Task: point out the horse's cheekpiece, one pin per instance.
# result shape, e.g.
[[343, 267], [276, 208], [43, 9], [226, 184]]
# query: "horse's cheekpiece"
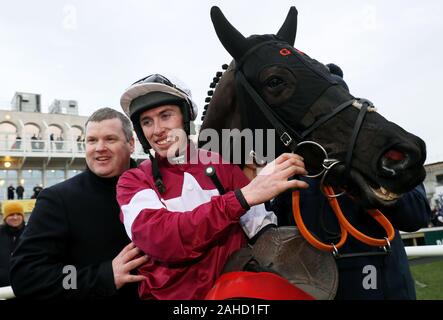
[[285, 252]]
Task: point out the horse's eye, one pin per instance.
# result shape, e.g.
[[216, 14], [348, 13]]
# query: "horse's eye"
[[274, 82]]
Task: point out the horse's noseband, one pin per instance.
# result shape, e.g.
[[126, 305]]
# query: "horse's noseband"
[[326, 165]]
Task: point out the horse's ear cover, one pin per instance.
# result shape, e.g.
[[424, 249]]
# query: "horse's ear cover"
[[233, 41], [288, 30]]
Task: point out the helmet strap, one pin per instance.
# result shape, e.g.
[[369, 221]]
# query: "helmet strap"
[[158, 180], [186, 109]]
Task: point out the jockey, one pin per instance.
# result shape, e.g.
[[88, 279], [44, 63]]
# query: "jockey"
[[185, 223]]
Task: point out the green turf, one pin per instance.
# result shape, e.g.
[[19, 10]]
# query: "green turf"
[[428, 280]]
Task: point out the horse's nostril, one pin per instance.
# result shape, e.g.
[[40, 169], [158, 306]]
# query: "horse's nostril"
[[394, 161], [394, 155]]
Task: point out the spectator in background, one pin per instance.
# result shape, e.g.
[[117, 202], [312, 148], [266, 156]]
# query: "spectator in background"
[[437, 213], [36, 190], [11, 190], [20, 190], [79, 143], [34, 143], [51, 140], [10, 232]]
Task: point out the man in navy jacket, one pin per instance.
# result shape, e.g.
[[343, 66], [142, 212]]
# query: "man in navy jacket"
[[74, 246]]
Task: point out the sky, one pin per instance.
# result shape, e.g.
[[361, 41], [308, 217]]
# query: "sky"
[[91, 50]]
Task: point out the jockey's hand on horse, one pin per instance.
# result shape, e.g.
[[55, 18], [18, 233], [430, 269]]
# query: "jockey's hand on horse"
[[273, 179]]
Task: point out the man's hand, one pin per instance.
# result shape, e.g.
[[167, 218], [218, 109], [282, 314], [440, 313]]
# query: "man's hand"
[[126, 261], [273, 179]]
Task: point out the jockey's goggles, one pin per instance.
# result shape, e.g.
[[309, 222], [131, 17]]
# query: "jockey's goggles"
[[158, 78]]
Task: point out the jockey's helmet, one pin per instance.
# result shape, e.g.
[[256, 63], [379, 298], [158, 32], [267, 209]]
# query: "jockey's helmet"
[[153, 91]]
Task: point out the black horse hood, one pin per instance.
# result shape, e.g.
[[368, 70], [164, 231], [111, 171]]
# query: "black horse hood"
[[308, 78]]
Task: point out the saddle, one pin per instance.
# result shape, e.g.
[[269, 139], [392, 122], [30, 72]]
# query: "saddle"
[[285, 252]]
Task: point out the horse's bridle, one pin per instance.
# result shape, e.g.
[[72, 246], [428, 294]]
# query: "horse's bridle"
[[294, 140]]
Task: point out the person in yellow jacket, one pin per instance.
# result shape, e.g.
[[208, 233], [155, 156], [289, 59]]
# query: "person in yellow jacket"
[[10, 232]]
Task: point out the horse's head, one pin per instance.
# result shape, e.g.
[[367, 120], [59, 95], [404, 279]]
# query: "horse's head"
[[375, 160]]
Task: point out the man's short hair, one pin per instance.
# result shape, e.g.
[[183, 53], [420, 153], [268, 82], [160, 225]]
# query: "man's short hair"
[[107, 114]]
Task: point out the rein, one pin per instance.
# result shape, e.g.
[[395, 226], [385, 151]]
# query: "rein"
[[345, 226]]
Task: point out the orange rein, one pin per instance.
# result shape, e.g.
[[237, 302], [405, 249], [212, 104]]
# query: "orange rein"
[[345, 226]]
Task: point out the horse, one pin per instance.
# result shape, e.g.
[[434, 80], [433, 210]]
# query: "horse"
[[272, 85], [344, 141]]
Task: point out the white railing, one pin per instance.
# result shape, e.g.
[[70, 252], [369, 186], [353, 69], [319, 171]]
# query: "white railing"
[[41, 146], [433, 250], [425, 251], [411, 251]]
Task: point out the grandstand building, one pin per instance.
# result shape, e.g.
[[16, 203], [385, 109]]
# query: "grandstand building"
[[41, 149]]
